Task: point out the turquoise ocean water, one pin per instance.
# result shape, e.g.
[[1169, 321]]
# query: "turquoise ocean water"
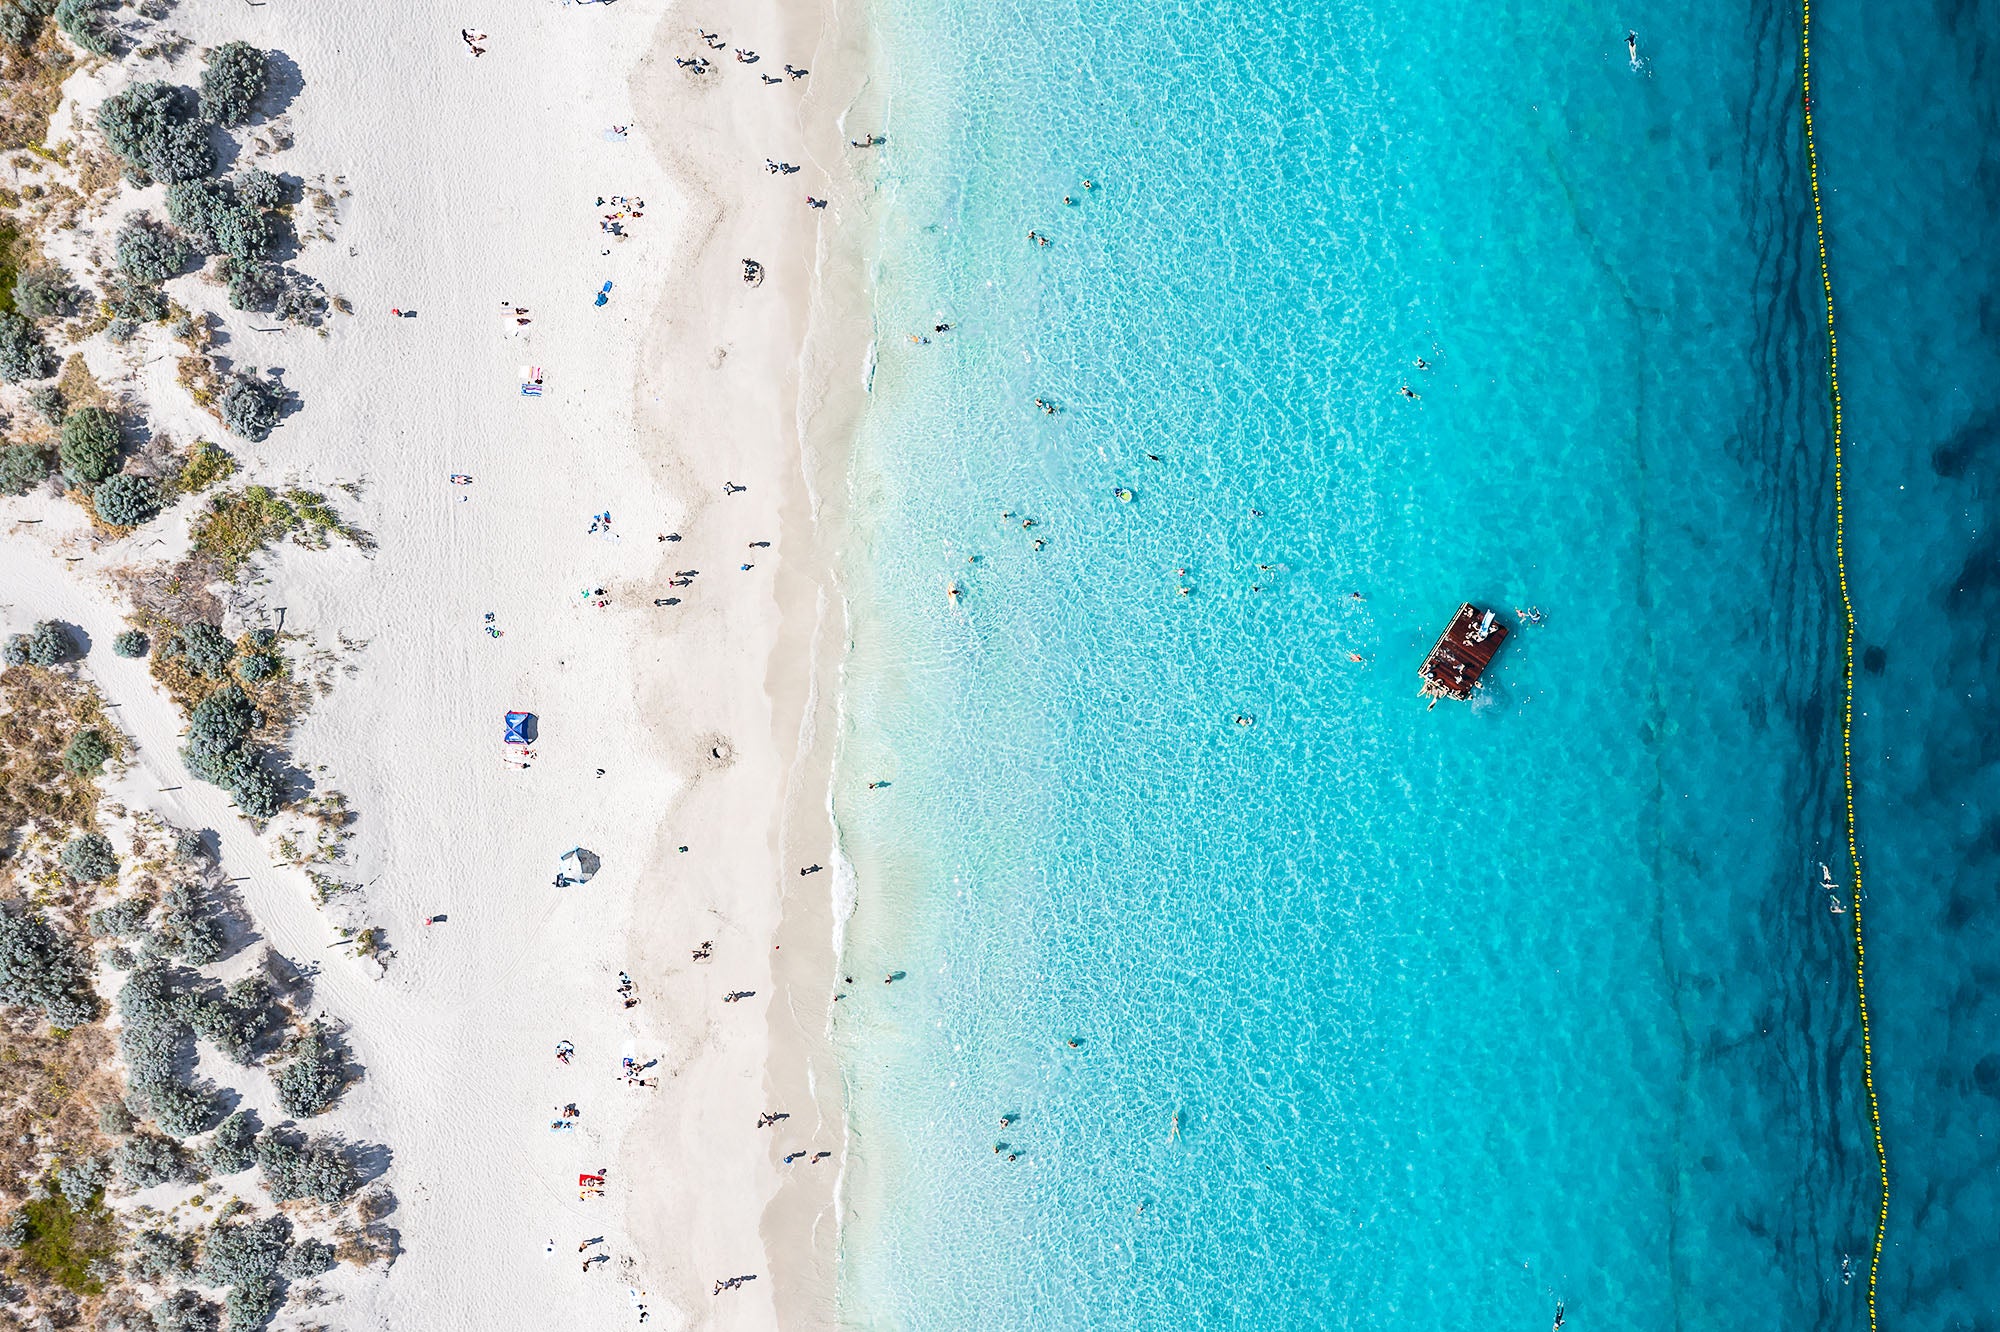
[[1386, 1017]]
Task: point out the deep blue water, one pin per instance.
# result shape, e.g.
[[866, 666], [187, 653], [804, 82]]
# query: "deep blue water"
[[1386, 1016]]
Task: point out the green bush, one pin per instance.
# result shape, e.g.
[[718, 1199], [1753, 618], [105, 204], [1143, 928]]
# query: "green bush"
[[313, 1075], [89, 448], [133, 303], [41, 968], [208, 653], [21, 21], [88, 24], [153, 1033], [256, 667], [89, 858], [219, 221], [49, 643], [16, 651], [22, 468], [254, 284], [114, 1119], [44, 291], [231, 82], [153, 126], [222, 721], [233, 1149], [189, 930], [48, 402], [251, 407], [236, 1252], [250, 1304], [183, 1311], [317, 1171], [87, 753], [263, 639], [131, 643], [150, 253], [146, 1159], [23, 353], [256, 791], [309, 1258], [233, 1020], [82, 1181], [121, 919], [182, 1111], [126, 500], [162, 1256], [260, 189]]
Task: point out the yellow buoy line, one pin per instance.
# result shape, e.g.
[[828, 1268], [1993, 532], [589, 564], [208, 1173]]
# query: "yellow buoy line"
[[1847, 662]]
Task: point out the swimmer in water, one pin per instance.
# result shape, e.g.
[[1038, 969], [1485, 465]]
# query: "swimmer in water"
[[1632, 51], [1409, 392]]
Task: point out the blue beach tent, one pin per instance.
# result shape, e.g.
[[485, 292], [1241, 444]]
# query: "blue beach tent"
[[520, 728]]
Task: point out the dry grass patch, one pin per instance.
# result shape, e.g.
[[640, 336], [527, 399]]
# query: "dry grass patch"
[[41, 711]]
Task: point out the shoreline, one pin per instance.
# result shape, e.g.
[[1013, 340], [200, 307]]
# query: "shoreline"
[[789, 332]]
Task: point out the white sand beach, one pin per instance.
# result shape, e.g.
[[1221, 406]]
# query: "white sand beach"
[[675, 742]]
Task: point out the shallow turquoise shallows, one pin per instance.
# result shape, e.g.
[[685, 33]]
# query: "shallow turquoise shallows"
[[1360, 1015]]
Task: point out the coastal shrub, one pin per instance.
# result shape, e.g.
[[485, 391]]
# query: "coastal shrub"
[[257, 666], [21, 21], [162, 1255], [250, 407], [188, 845], [182, 1110], [184, 1311], [206, 464], [15, 653], [251, 1303], [315, 1170], [89, 448], [122, 919], [232, 80], [311, 1079], [262, 638], [232, 1025], [81, 1181], [126, 500], [188, 929], [208, 653], [49, 643], [120, 958], [88, 24], [136, 303], [24, 355], [16, 1232], [114, 1119], [89, 858], [308, 1258], [154, 128], [44, 291], [236, 1252], [87, 752], [41, 968], [131, 643], [146, 1159], [153, 1029], [233, 1149], [254, 284], [150, 253], [259, 189], [22, 468], [48, 403], [221, 221], [302, 301]]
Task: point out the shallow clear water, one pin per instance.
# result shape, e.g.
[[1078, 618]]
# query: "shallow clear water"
[[1385, 1015]]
